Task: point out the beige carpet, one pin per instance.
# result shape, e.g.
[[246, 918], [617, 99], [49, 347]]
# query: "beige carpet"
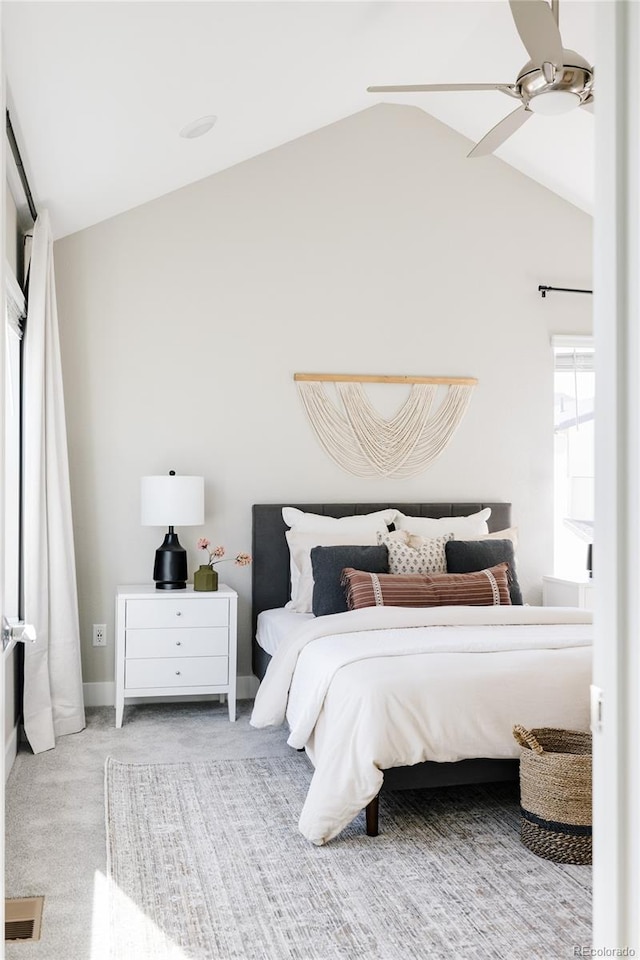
[[205, 863]]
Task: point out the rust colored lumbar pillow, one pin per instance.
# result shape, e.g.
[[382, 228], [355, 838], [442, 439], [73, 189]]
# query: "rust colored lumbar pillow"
[[484, 588]]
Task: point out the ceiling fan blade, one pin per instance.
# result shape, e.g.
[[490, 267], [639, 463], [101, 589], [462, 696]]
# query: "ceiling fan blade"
[[538, 31], [501, 132], [589, 104], [440, 87]]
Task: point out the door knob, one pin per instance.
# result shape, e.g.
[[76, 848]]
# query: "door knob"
[[17, 631]]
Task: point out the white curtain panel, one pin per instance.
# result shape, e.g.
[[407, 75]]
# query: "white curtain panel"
[[53, 701]]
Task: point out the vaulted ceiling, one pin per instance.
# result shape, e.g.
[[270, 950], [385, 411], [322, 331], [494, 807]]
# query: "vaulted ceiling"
[[98, 92]]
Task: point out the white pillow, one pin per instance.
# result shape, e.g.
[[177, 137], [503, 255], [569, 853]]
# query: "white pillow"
[[461, 527], [307, 522], [511, 533], [300, 545]]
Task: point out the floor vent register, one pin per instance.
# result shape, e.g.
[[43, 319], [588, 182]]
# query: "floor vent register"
[[23, 918]]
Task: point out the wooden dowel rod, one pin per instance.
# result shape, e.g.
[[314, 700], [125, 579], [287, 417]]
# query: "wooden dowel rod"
[[372, 378]]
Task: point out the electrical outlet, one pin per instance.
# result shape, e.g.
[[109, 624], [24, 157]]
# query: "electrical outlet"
[[99, 634]]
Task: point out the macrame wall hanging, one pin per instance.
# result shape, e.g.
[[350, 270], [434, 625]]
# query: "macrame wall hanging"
[[366, 444]]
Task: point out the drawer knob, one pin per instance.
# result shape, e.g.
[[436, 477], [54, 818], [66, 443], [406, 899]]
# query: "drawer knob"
[[177, 673], [178, 643], [178, 613]]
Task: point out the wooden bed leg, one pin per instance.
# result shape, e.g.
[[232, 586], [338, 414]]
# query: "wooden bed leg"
[[371, 815]]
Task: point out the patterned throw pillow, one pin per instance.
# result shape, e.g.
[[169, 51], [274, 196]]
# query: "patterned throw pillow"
[[482, 589], [411, 554]]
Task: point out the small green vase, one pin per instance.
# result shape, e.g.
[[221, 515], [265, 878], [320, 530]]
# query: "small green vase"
[[205, 578]]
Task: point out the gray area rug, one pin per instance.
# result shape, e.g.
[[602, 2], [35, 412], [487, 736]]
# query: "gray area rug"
[[205, 862]]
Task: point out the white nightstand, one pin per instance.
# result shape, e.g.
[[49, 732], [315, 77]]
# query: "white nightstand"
[[175, 643], [557, 592]]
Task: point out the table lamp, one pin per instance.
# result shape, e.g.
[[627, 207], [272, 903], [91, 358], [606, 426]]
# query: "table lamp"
[[171, 501]]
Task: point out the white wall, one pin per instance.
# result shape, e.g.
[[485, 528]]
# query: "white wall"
[[370, 246]]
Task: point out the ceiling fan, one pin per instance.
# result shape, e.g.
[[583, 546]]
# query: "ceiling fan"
[[554, 81]]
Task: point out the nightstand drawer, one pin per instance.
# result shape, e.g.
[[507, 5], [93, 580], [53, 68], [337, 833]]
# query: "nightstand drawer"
[[178, 612], [176, 672], [182, 642]]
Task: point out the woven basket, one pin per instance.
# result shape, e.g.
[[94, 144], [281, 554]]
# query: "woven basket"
[[555, 793]]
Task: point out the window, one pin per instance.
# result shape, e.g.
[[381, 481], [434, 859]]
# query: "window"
[[574, 460]]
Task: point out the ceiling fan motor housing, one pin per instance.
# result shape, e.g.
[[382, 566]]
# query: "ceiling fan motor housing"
[[554, 81], [574, 77]]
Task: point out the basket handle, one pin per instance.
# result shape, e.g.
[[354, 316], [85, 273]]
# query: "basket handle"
[[526, 738]]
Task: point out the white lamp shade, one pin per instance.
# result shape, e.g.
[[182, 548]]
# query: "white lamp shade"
[[171, 501]]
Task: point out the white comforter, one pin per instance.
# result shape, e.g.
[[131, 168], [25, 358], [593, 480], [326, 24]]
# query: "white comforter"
[[383, 687]]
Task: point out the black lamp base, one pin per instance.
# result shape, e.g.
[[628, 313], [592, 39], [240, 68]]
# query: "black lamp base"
[[170, 567]]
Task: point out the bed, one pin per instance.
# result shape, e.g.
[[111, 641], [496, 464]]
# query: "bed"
[[271, 586]]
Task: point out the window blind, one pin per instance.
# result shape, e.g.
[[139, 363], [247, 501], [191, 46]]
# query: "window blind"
[[573, 354], [15, 303]]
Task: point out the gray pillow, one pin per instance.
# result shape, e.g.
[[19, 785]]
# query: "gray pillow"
[[328, 563], [468, 556]]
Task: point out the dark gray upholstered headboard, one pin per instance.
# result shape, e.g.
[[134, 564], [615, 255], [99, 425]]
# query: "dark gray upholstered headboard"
[[270, 568]]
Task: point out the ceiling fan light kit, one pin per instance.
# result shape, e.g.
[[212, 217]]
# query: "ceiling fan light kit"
[[554, 103], [554, 81]]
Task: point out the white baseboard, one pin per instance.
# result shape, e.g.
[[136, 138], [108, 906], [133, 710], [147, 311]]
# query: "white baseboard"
[[247, 687], [104, 694], [99, 694], [10, 751]]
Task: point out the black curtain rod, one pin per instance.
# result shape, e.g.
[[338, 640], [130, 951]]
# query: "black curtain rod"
[[543, 290], [13, 143]]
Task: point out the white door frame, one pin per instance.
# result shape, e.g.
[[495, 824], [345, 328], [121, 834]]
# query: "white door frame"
[[616, 750], [3, 180]]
